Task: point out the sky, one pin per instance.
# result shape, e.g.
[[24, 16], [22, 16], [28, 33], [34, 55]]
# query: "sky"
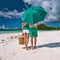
[[11, 9], [15, 8]]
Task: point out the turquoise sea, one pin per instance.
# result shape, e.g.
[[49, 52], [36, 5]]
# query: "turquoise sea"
[[9, 31]]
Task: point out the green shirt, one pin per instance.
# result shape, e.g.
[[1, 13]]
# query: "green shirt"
[[26, 27]]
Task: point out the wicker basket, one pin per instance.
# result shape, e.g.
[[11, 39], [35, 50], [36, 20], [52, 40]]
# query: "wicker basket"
[[21, 40]]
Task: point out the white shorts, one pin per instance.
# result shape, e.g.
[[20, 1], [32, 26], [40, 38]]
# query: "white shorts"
[[25, 31]]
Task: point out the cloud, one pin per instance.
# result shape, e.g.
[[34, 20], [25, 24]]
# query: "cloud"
[[32, 2], [51, 6], [27, 1], [57, 7], [3, 14], [11, 14]]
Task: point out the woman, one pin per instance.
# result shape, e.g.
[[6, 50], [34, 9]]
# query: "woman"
[[25, 29]]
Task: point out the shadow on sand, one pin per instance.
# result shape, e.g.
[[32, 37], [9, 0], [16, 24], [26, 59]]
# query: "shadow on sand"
[[50, 45]]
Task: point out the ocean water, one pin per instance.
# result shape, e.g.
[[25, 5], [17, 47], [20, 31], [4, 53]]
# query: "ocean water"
[[11, 23], [9, 31]]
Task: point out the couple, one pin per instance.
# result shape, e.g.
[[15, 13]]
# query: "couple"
[[29, 29]]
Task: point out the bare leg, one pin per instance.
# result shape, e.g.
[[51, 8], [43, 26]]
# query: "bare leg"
[[35, 41], [27, 40], [31, 43]]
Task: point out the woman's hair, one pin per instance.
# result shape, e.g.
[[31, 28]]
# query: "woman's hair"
[[23, 21]]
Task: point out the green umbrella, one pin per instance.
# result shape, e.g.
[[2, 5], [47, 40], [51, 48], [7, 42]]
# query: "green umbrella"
[[34, 14]]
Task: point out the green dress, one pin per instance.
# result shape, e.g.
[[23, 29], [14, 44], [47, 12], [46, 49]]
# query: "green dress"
[[26, 27]]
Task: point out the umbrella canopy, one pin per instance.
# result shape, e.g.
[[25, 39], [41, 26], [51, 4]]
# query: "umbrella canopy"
[[34, 14]]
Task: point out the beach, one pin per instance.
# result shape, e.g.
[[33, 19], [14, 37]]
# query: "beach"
[[48, 47]]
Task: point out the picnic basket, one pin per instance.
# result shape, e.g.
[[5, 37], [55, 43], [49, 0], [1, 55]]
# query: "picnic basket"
[[21, 40]]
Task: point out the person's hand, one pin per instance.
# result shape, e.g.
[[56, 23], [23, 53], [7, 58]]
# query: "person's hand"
[[23, 24]]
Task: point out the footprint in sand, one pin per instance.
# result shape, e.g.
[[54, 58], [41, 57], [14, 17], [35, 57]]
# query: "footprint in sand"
[[2, 41], [14, 54], [3, 45], [15, 36], [1, 58], [11, 37]]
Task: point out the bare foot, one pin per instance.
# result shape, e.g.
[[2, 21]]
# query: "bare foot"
[[23, 47], [32, 48], [26, 48]]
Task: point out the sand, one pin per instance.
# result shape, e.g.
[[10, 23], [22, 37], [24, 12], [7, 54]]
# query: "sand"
[[48, 47]]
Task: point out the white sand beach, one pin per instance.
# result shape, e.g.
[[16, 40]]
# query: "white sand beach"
[[48, 47]]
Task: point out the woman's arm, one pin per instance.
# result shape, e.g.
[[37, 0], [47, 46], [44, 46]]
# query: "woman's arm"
[[23, 24]]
